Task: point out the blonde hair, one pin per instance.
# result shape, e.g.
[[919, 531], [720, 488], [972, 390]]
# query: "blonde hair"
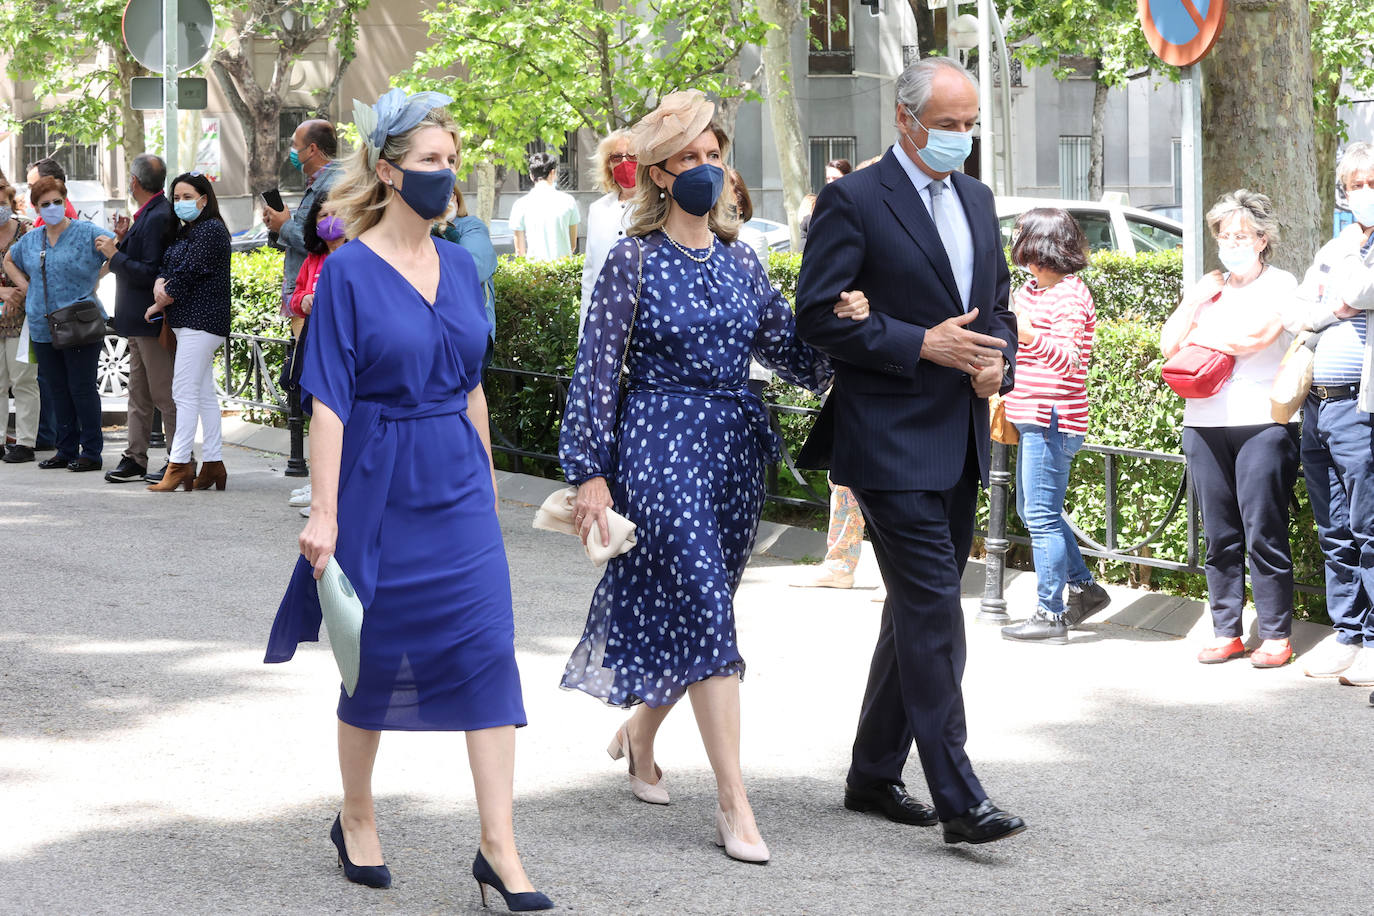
[[651, 203], [460, 204], [360, 197], [601, 160]]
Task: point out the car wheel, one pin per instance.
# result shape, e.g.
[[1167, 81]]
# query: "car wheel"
[[113, 374]]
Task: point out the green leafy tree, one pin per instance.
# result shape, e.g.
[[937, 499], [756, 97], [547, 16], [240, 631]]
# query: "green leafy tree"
[[535, 71], [58, 48], [1341, 31], [1099, 37], [288, 28]]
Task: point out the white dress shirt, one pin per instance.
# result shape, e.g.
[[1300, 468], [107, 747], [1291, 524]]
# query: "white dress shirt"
[[961, 259], [607, 219]]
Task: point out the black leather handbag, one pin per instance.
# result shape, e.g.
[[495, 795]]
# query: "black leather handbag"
[[77, 325]]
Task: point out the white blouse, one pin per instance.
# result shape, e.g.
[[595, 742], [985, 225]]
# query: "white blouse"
[[607, 219]]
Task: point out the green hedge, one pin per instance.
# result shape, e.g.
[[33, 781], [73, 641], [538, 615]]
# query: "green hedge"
[[536, 329]]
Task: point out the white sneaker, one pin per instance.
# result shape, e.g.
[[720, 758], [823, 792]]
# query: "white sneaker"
[[305, 513], [302, 489], [300, 498], [1329, 658], [1361, 672]]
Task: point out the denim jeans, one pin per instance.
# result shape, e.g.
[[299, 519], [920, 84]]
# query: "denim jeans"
[[73, 380], [1043, 460]]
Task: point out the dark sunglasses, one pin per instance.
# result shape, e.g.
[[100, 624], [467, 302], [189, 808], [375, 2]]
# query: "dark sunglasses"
[[617, 158]]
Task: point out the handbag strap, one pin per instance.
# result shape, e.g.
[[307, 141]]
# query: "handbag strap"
[[43, 269], [634, 315]]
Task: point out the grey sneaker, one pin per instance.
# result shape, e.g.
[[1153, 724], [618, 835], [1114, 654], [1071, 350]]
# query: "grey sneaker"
[[1083, 602], [1041, 627]]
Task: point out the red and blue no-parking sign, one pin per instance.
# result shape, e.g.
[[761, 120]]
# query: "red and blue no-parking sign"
[[1181, 32]]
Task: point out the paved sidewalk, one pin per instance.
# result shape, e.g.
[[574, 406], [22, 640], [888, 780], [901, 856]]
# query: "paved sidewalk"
[[149, 763]]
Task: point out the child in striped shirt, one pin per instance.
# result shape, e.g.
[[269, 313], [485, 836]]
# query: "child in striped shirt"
[[1049, 406]]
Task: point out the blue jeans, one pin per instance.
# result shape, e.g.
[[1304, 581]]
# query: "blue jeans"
[[1338, 462], [1043, 460], [73, 380]]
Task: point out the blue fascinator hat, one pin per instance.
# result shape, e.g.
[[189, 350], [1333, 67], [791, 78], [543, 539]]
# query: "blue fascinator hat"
[[395, 113]]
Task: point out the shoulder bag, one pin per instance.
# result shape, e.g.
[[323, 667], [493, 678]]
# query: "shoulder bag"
[[77, 325], [1196, 371], [1294, 378]]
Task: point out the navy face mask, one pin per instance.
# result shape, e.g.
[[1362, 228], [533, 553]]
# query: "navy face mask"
[[428, 193], [697, 189]]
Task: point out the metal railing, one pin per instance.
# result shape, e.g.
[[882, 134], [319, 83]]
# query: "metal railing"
[[259, 388]]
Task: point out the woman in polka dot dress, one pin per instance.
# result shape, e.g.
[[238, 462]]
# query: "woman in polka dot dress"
[[682, 453]]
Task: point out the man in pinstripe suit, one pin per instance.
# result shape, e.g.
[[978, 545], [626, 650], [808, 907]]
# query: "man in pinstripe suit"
[[906, 428]]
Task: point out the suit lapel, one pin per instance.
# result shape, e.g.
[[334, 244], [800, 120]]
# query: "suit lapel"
[[906, 205]]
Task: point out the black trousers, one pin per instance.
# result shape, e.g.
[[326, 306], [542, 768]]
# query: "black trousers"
[[1244, 477], [921, 539]]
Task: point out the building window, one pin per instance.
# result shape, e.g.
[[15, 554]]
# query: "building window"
[[1178, 169], [1074, 156], [823, 149], [81, 161], [567, 163], [290, 178], [830, 49]]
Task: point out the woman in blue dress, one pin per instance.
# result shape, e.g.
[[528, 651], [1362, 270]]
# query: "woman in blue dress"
[[403, 493], [683, 457]]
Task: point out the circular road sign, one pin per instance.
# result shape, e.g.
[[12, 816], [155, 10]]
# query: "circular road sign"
[[195, 32], [1181, 32]]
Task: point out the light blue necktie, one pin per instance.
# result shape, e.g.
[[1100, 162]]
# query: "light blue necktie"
[[949, 236]]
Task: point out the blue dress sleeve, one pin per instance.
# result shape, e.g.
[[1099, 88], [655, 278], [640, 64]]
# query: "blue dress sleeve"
[[586, 442], [776, 344], [329, 372], [91, 259]]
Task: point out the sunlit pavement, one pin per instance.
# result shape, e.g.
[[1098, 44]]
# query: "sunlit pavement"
[[150, 763]]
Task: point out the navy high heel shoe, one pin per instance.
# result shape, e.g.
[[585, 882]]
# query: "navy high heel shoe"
[[517, 903], [370, 875]]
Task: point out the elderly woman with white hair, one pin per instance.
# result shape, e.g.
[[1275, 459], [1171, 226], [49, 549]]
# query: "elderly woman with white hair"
[[1244, 464], [1337, 435], [613, 171]]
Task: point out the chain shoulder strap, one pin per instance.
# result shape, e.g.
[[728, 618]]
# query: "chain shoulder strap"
[[634, 315]]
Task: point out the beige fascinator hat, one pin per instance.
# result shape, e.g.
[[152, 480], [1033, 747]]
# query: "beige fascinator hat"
[[678, 120]]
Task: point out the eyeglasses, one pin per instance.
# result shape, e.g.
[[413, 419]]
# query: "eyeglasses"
[[617, 158]]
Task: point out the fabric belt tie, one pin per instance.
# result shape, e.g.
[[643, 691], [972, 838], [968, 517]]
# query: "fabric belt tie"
[[370, 447], [755, 411]]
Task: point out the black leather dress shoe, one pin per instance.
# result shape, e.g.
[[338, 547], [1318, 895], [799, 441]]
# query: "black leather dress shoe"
[[983, 824], [891, 801], [56, 461], [17, 454], [84, 464], [128, 471]]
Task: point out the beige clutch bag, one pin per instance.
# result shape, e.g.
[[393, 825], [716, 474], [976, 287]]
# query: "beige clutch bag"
[[557, 515]]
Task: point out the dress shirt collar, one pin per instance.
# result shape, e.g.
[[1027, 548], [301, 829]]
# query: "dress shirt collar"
[[919, 179], [149, 202]]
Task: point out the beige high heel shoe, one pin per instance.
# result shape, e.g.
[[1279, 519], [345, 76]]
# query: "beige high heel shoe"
[[655, 793], [736, 848]]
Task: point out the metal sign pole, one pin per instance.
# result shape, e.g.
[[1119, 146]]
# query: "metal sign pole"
[[170, 57], [987, 136], [1192, 175]]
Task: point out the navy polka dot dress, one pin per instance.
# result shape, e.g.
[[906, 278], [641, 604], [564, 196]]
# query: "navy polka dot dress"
[[684, 456]]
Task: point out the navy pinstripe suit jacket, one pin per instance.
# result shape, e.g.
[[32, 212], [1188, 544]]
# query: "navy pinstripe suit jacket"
[[893, 421]]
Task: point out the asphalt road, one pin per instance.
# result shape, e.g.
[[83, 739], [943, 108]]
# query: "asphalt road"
[[150, 763]]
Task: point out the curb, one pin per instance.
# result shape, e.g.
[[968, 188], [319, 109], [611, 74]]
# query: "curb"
[[1168, 615]]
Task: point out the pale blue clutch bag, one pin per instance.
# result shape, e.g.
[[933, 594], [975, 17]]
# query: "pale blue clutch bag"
[[343, 620]]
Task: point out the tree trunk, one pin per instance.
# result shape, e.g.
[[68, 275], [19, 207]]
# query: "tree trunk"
[[925, 26], [486, 192], [1257, 124], [783, 110], [1097, 140], [1327, 98]]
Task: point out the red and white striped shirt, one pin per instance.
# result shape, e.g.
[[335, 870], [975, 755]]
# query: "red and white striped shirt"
[[1052, 370]]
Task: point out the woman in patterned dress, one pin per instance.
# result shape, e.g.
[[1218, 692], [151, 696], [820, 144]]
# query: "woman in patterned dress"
[[683, 456]]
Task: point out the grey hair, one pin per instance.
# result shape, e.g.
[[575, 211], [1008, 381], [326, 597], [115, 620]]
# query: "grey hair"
[[914, 86], [150, 171], [1358, 157], [1255, 208]]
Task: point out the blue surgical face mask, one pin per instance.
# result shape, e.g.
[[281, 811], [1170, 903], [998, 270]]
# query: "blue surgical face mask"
[[1361, 202], [428, 193], [945, 150], [295, 159], [187, 210], [697, 189], [53, 213], [1237, 259]]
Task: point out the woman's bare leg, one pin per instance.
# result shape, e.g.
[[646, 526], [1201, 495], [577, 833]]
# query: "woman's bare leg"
[[357, 754], [715, 701], [491, 754], [641, 731]]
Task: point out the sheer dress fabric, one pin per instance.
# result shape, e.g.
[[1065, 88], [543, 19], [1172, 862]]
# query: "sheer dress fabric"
[[684, 457]]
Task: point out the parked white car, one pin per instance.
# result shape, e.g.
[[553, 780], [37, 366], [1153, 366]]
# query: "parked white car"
[[1109, 225]]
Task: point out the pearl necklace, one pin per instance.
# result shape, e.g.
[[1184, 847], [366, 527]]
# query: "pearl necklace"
[[710, 249]]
